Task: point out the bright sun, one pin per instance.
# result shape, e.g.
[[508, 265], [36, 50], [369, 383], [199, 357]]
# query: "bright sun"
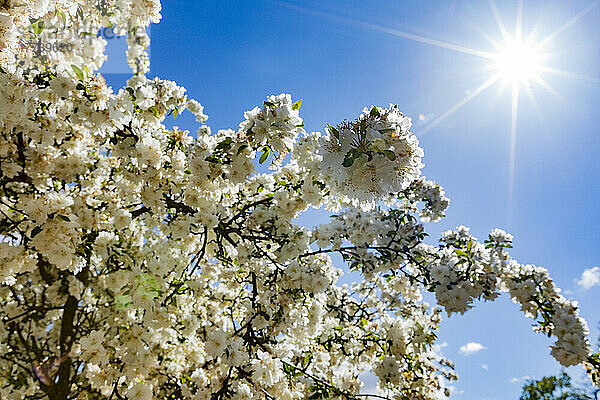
[[517, 62]]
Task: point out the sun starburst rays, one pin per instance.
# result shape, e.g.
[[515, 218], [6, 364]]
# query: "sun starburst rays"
[[460, 103], [514, 60], [567, 24], [513, 141], [518, 62]]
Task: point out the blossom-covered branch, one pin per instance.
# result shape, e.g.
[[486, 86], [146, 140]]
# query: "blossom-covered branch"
[[141, 262]]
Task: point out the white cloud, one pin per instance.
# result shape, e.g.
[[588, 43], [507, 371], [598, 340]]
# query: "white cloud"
[[589, 278], [484, 366], [439, 346], [521, 379], [471, 348], [454, 391]]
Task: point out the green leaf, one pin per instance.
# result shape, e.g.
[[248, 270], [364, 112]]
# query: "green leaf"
[[348, 160], [315, 396], [307, 359], [131, 93], [122, 301], [38, 26], [79, 12], [224, 144], [35, 231], [78, 72], [334, 131], [147, 285], [175, 112], [350, 157], [375, 112], [288, 369], [389, 154], [296, 105], [64, 18], [182, 289], [264, 155], [460, 252], [241, 148]]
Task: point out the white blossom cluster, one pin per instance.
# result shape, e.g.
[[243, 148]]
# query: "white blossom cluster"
[[432, 197], [539, 297], [275, 127], [39, 46], [140, 262], [466, 270], [379, 153]]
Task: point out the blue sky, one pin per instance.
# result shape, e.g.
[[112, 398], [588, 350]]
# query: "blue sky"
[[339, 56]]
